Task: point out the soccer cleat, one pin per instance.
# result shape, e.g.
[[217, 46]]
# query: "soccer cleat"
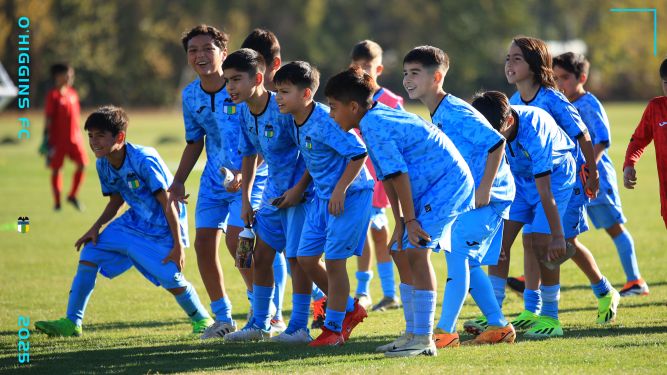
[[517, 284], [249, 333], [56, 208], [364, 300], [75, 202], [199, 326], [545, 328], [444, 339], [476, 326], [61, 327], [387, 303], [607, 307], [328, 338], [353, 318], [635, 288], [494, 335], [218, 330], [300, 336], [400, 341], [525, 320], [319, 313], [278, 326], [419, 345]]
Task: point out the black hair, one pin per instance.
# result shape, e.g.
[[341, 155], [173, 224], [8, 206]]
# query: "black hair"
[[108, 118], [663, 69], [351, 85], [59, 68], [574, 63], [265, 42], [299, 73], [428, 56], [245, 60], [220, 38], [366, 50], [494, 105]]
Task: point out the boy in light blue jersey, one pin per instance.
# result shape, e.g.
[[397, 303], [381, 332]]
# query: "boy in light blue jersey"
[[267, 132], [212, 120], [529, 66], [337, 218], [368, 55], [151, 235], [429, 185], [571, 73], [541, 160], [477, 234]]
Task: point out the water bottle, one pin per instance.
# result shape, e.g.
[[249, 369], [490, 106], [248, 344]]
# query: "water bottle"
[[245, 248]]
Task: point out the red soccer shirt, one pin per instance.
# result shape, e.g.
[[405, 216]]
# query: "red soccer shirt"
[[652, 127], [63, 110]]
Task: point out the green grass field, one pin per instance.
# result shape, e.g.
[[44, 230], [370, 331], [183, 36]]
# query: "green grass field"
[[133, 327]]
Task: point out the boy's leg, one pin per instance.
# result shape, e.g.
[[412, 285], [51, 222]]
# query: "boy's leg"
[[56, 186], [405, 275], [280, 281], [79, 156], [297, 330], [385, 268], [364, 274], [206, 247], [498, 273], [188, 299], [338, 294]]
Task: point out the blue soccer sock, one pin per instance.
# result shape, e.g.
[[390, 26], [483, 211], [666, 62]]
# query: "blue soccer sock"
[[386, 273], [82, 287], [408, 311], [364, 282], [317, 293], [458, 282], [262, 296], [424, 310], [300, 313], [280, 279], [602, 287], [550, 296], [222, 309], [625, 247], [532, 300], [190, 303], [349, 307], [481, 291], [498, 284], [334, 320]]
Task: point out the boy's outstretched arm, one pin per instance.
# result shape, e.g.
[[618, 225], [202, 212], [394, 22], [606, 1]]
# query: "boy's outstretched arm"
[[593, 179], [177, 253], [188, 160], [557, 246], [110, 211], [337, 200], [493, 160]]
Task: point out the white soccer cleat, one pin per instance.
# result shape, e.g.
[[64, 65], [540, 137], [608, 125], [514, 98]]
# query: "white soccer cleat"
[[218, 330], [419, 345], [301, 336], [400, 341], [251, 333], [277, 326]]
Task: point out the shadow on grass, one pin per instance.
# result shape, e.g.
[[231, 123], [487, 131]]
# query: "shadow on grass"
[[588, 287], [199, 356], [613, 331]]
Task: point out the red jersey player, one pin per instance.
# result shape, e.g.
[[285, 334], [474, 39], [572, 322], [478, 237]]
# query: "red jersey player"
[[62, 133], [652, 127]]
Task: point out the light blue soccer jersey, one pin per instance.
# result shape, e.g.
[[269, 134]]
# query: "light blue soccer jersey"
[[269, 133], [594, 116], [142, 174], [539, 145], [475, 138], [402, 142], [216, 117], [327, 149], [565, 114]]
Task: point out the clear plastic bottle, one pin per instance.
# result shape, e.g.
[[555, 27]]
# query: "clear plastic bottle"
[[245, 248]]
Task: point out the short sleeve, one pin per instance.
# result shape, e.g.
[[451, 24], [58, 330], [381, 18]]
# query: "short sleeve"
[[246, 147], [385, 153], [539, 147], [153, 175], [107, 190], [567, 117], [193, 130], [596, 122], [347, 144]]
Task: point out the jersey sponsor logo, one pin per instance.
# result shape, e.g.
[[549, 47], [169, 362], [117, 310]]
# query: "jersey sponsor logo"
[[132, 181], [661, 124], [268, 131]]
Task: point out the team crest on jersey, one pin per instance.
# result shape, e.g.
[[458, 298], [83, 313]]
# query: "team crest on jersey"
[[229, 108], [309, 143], [268, 131], [132, 181]]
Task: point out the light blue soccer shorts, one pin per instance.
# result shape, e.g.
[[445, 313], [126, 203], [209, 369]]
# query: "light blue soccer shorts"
[[217, 213], [119, 248], [378, 218], [436, 224], [478, 235], [605, 215], [281, 228], [574, 220], [338, 237]]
